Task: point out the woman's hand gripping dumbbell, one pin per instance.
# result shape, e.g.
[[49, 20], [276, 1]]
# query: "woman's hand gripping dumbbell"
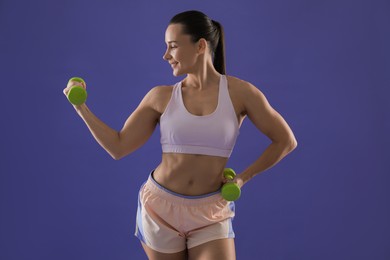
[[230, 191], [76, 93]]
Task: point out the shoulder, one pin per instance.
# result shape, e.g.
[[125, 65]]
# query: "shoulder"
[[241, 87], [158, 97], [160, 92], [244, 92]]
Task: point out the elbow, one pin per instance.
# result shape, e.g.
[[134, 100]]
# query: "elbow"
[[117, 151], [116, 155], [291, 144], [288, 144], [121, 149]]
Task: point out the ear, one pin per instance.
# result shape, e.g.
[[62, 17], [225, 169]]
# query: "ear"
[[202, 46]]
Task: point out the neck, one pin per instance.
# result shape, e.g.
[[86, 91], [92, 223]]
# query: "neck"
[[202, 77]]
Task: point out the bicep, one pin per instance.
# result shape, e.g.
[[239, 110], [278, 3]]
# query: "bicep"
[[139, 126], [265, 117]]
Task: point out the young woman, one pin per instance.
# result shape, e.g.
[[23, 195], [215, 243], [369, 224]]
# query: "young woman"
[[181, 214]]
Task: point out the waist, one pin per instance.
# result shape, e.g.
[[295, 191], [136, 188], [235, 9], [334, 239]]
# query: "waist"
[[174, 197], [190, 175]]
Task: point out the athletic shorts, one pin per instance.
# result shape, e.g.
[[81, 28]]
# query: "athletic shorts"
[[168, 222]]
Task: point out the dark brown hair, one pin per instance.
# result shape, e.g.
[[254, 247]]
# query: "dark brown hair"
[[198, 25]]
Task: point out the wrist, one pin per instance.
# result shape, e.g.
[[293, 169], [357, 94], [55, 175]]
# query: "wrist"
[[245, 177], [80, 109]]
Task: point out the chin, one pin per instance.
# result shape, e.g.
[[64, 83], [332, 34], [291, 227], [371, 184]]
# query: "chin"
[[177, 73]]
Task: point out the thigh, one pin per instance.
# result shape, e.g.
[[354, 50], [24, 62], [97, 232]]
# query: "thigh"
[[155, 255], [221, 249]]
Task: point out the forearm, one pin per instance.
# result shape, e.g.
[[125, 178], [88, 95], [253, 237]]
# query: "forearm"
[[107, 137], [271, 156]]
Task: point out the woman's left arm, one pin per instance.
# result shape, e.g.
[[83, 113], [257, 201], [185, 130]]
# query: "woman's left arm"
[[270, 123]]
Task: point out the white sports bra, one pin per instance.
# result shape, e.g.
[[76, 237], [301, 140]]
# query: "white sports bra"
[[214, 134]]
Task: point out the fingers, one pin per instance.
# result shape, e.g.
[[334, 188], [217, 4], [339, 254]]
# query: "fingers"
[[67, 89], [237, 179], [225, 180], [71, 84]]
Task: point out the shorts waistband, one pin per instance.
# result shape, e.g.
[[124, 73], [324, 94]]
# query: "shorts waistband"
[[174, 197]]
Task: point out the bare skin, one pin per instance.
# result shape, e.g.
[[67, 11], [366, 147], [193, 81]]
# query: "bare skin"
[[223, 249], [193, 174], [155, 255]]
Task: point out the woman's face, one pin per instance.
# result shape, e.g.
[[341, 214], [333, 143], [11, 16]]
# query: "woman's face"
[[181, 52]]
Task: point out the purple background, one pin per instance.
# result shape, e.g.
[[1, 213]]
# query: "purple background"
[[324, 65]]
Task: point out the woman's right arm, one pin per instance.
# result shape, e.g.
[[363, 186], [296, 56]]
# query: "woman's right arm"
[[135, 132]]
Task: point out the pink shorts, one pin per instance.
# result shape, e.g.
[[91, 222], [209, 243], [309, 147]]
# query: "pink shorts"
[[169, 222]]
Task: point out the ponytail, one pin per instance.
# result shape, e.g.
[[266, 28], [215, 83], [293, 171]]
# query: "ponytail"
[[219, 53]]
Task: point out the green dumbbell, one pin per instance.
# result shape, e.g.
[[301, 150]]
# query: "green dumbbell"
[[77, 95], [230, 191]]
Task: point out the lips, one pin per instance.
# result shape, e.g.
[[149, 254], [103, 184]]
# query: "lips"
[[173, 64]]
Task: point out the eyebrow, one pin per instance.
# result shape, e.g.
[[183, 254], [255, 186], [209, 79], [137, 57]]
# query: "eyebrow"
[[172, 41]]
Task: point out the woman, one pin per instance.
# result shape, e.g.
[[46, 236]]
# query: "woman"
[[181, 213]]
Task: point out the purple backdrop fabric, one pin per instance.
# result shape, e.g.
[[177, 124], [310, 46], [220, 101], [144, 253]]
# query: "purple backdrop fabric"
[[324, 65]]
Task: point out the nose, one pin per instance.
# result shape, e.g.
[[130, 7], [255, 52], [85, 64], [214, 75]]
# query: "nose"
[[166, 55]]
